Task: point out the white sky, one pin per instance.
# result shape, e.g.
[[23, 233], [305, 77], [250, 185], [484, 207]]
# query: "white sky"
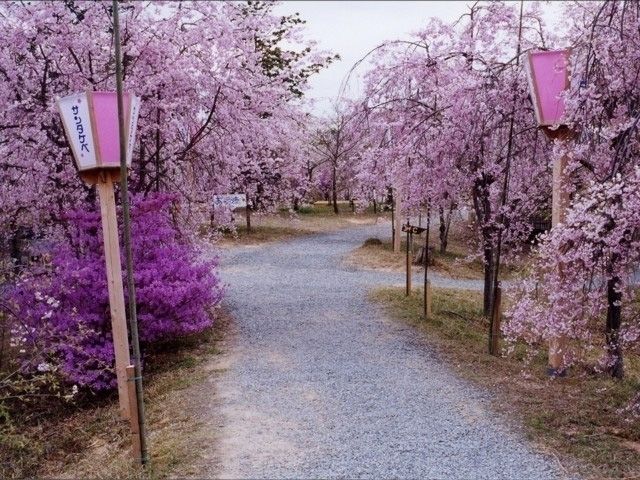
[[352, 28]]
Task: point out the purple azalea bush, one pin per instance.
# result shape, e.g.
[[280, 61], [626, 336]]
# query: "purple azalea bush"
[[64, 322]]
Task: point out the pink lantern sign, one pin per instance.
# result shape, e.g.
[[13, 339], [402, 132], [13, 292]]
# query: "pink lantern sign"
[[548, 73], [90, 122]]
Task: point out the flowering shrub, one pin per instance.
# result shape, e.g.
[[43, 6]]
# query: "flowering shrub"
[[63, 308]]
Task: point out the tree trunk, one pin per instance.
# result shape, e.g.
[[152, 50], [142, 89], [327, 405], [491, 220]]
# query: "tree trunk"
[[488, 277], [296, 205], [157, 155], [334, 190], [15, 250], [375, 206], [445, 224], [443, 231], [614, 349]]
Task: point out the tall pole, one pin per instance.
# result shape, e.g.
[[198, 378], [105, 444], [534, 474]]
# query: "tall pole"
[[131, 289], [505, 192], [104, 186], [425, 259], [397, 202], [393, 220], [559, 204], [408, 289]]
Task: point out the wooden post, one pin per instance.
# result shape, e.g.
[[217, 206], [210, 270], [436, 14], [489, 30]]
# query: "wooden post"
[[397, 204], [136, 446], [425, 259], [496, 314], [559, 204], [408, 291], [560, 198], [114, 286], [393, 224], [428, 296]]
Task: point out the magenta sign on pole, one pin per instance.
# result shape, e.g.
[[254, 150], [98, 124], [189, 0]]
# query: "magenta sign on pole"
[[548, 73], [90, 122]]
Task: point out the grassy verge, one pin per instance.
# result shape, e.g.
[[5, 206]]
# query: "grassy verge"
[[316, 218], [90, 441], [577, 419]]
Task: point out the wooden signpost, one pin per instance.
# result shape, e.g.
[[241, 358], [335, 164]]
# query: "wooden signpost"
[[90, 121], [100, 128], [548, 75], [410, 230]]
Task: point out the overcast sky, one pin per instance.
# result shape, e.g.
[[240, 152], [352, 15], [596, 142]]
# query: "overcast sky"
[[351, 29]]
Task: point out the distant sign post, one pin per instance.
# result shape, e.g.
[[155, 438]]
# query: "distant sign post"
[[230, 201], [410, 230]]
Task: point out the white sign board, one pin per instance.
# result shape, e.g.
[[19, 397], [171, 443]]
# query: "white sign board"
[[231, 201], [75, 114], [135, 110]]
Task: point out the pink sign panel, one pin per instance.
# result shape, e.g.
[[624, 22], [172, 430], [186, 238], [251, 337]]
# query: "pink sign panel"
[[105, 116], [90, 121], [548, 77]]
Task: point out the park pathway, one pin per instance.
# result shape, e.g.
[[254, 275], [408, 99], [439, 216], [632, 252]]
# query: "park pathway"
[[319, 383]]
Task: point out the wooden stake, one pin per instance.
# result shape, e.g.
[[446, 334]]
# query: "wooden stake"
[[408, 291], [247, 212], [495, 324], [560, 198], [425, 258], [397, 204], [427, 301], [136, 447], [114, 286]]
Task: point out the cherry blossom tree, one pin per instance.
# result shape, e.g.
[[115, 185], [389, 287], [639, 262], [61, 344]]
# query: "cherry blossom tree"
[[213, 77], [585, 266], [454, 102], [334, 142]]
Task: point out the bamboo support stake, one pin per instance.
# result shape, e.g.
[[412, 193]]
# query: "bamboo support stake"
[[496, 314], [397, 209], [428, 296], [115, 288], [126, 221], [134, 421], [408, 290], [425, 259]]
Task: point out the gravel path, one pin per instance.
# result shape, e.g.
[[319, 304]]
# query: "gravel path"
[[319, 383]]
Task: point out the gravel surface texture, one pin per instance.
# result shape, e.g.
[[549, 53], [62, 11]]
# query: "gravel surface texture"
[[320, 384]]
